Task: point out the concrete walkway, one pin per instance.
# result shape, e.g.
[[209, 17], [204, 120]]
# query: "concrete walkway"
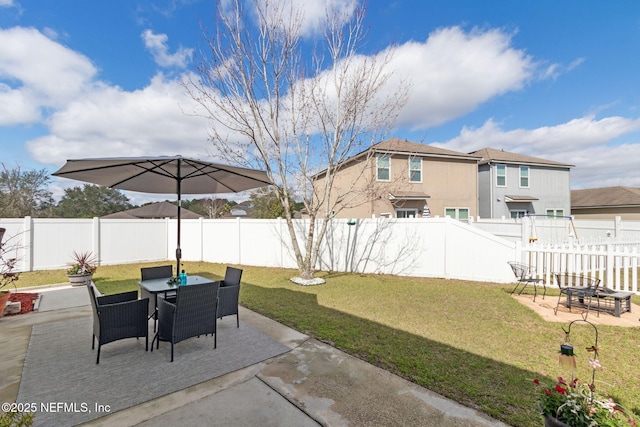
[[312, 384]]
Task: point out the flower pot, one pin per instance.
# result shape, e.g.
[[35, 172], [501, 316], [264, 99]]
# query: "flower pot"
[[552, 422], [4, 297], [79, 279]]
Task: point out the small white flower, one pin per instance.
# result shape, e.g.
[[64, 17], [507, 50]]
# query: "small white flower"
[[594, 363]]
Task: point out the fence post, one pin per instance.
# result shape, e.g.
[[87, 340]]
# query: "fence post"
[[518, 253], [27, 244], [201, 236], [634, 269], [281, 230], [96, 238], [525, 231], [617, 223], [610, 266], [239, 229]]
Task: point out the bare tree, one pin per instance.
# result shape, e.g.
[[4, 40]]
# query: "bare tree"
[[295, 103]]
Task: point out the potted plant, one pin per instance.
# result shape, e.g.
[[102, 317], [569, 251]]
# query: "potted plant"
[[7, 274], [577, 404], [81, 270]]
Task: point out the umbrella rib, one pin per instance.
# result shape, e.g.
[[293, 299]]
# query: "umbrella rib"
[[135, 164], [200, 170]]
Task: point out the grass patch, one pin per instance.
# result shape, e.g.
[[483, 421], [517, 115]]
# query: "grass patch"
[[468, 341]]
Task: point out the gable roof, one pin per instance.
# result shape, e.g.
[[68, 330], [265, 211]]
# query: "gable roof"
[[493, 155], [155, 210], [605, 197], [402, 146]]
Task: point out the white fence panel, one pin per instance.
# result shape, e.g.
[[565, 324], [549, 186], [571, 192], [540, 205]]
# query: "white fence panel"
[[615, 265], [55, 240], [219, 241], [17, 239], [125, 241], [557, 230], [473, 254], [261, 242], [423, 247], [191, 239]]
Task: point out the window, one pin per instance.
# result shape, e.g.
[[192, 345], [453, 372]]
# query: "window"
[[415, 169], [383, 165], [501, 176], [406, 213], [517, 214], [552, 213], [457, 213], [524, 176]]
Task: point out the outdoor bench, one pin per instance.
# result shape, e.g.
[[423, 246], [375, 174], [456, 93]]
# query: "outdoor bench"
[[614, 302]]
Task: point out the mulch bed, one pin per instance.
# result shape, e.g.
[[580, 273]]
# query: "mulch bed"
[[26, 301]]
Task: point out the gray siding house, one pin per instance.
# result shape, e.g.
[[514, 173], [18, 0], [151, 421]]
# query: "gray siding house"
[[511, 185]]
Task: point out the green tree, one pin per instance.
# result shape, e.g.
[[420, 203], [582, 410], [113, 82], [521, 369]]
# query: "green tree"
[[91, 200], [209, 208], [266, 204], [24, 193]]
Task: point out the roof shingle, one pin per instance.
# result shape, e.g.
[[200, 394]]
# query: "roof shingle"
[[491, 154], [606, 196]]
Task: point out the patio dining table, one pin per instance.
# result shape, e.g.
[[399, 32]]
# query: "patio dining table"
[[163, 286]]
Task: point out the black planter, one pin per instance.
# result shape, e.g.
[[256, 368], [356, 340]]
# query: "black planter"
[[552, 422]]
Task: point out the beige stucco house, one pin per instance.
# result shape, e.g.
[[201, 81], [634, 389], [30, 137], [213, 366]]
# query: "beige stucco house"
[[606, 203], [401, 179]]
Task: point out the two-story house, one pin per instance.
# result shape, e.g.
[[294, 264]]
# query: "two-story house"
[[512, 185], [401, 179]]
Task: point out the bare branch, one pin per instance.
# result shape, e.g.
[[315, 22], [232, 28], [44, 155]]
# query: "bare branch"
[[293, 104]]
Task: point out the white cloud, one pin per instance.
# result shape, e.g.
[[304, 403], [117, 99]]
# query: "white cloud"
[[6, 3], [579, 133], [46, 73], [113, 122], [585, 142], [554, 71], [309, 16], [453, 72], [157, 45], [315, 12], [17, 106]]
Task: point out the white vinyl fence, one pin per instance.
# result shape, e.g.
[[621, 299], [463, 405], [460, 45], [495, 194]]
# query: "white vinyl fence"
[[421, 247], [555, 230], [615, 264]]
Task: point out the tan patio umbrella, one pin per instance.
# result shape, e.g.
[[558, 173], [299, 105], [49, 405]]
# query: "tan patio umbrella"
[[164, 175]]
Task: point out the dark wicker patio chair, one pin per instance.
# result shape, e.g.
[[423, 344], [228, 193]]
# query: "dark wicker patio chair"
[[577, 289], [228, 294], [118, 316], [149, 273], [192, 314], [525, 274]]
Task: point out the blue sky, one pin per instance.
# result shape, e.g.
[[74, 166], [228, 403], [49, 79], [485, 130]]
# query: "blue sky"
[[552, 79]]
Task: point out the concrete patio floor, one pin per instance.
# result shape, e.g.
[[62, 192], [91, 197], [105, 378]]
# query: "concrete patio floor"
[[545, 307], [312, 384]]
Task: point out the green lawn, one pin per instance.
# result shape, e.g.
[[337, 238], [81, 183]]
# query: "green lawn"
[[468, 341]]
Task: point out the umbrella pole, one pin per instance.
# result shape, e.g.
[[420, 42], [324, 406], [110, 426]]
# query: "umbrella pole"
[[178, 250]]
